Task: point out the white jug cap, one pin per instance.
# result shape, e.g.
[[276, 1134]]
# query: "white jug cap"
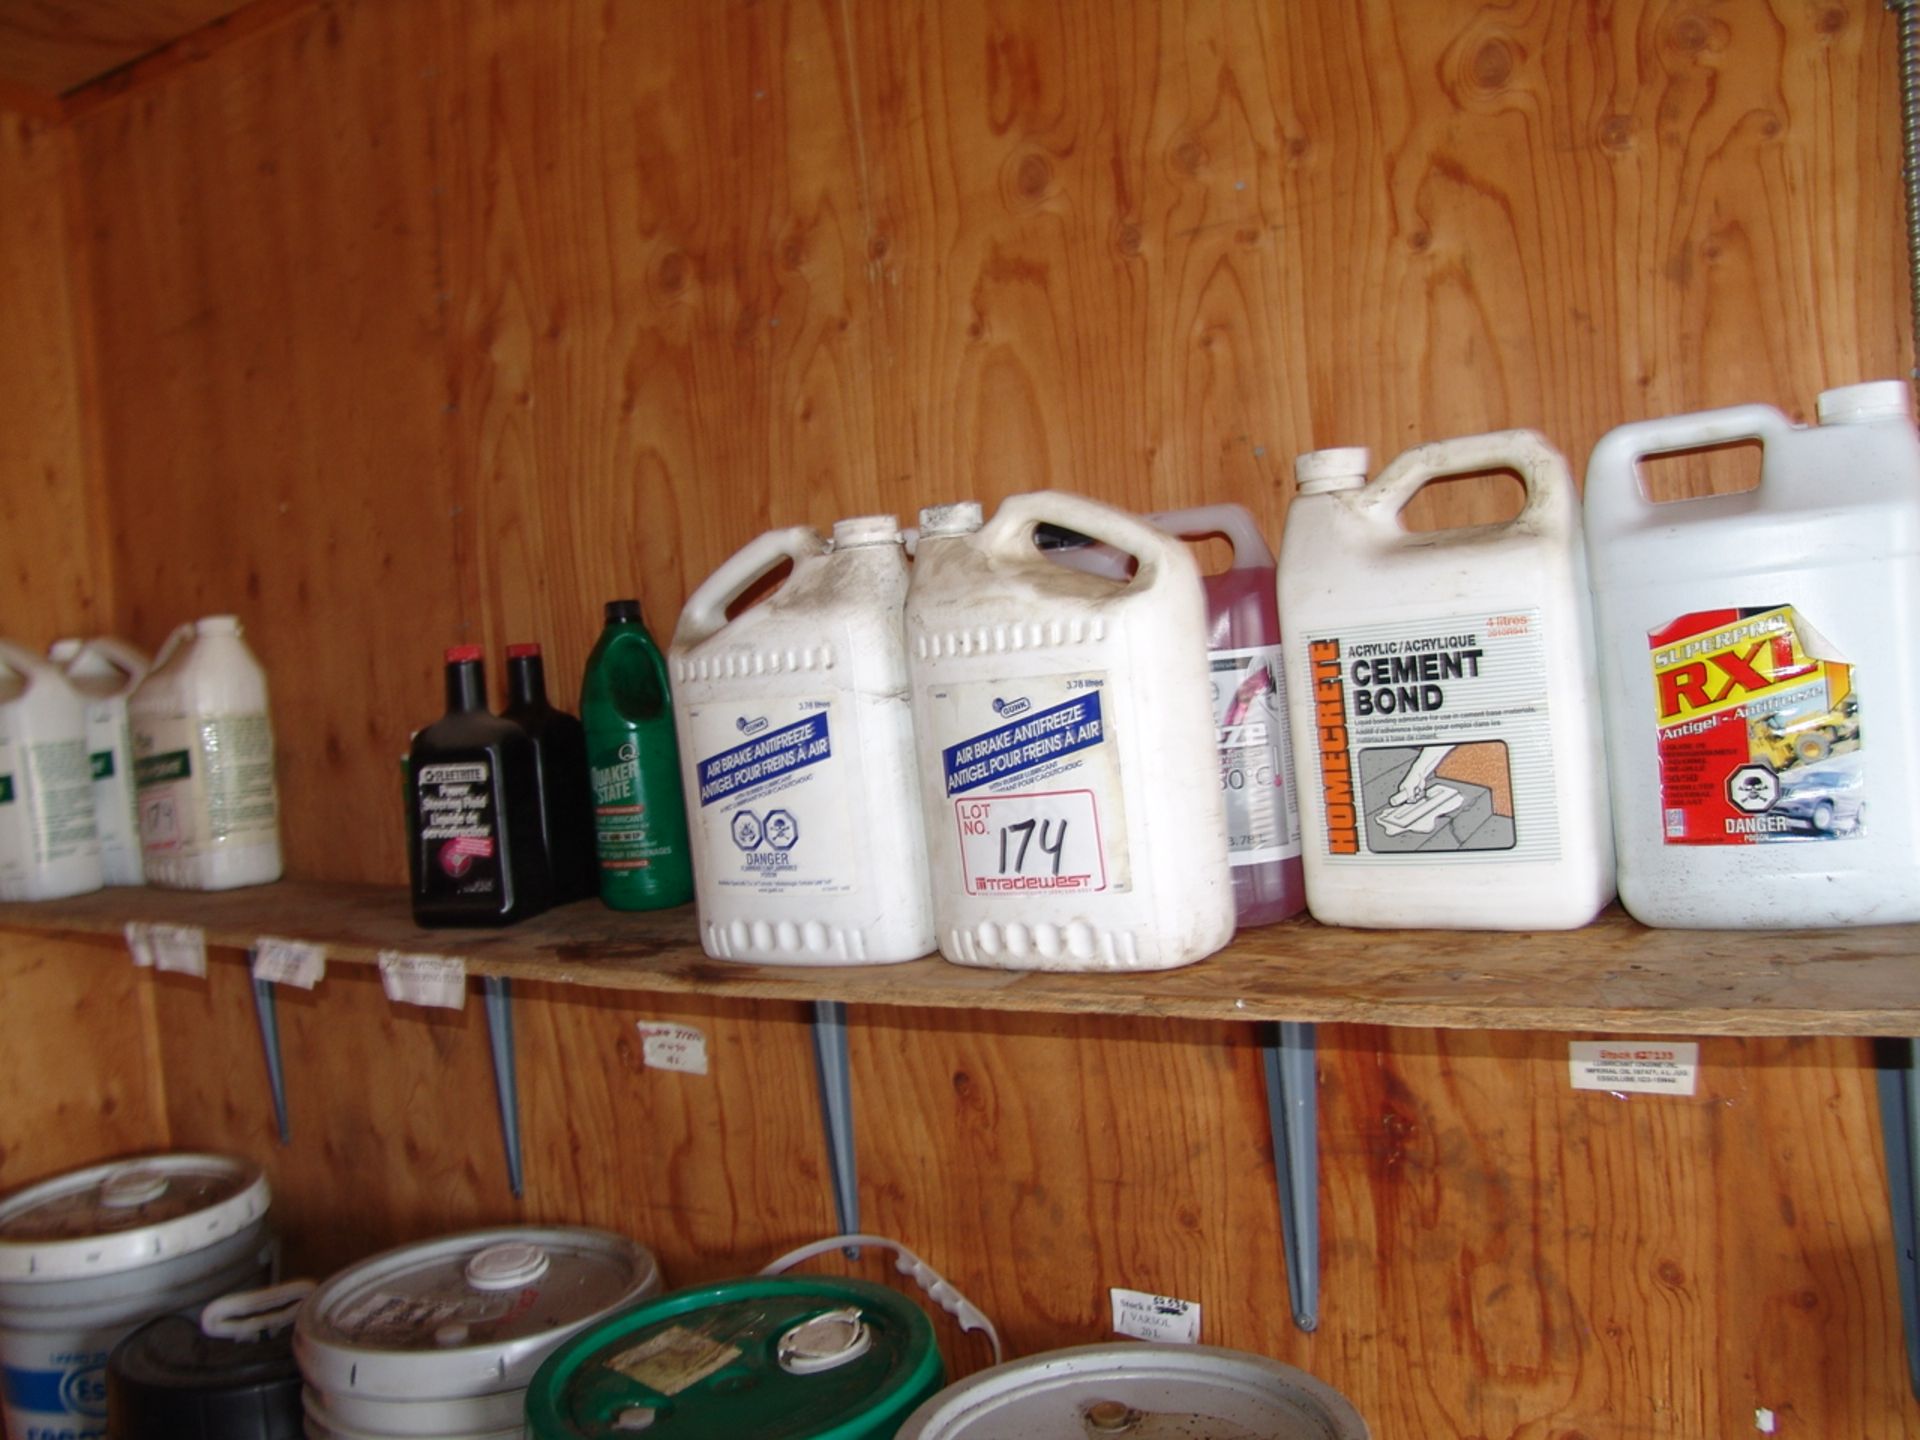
[[62, 651], [1875, 400], [1319, 471], [218, 625], [962, 518], [866, 530]]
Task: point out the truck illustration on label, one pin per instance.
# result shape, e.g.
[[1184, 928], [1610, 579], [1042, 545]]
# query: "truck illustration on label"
[[1758, 730]]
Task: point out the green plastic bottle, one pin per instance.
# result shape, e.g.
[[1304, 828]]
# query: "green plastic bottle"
[[639, 816]]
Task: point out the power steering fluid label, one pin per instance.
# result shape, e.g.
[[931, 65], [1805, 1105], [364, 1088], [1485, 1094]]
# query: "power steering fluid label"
[[1758, 728], [1434, 740], [772, 795], [1032, 783]]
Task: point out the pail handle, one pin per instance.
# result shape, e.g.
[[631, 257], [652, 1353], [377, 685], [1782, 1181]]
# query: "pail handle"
[[1236, 522], [1542, 469], [1614, 489], [705, 614], [909, 1264], [247, 1314], [1009, 535]]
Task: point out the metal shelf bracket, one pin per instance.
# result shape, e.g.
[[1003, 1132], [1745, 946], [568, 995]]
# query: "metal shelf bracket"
[[1899, 1117], [1288, 1051], [267, 1013], [506, 1081], [836, 1109]]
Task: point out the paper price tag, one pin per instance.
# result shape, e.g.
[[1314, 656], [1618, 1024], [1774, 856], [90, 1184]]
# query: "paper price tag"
[[177, 949], [289, 962], [1660, 1067], [1156, 1317], [672, 1047], [434, 980]]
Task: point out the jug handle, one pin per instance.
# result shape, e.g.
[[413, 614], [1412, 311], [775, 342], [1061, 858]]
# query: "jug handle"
[[1010, 533], [1236, 522], [22, 661], [124, 656], [1623, 448], [705, 614], [248, 1313], [1542, 469], [937, 1286]]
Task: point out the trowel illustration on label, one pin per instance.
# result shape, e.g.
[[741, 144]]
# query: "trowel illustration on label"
[[1436, 798]]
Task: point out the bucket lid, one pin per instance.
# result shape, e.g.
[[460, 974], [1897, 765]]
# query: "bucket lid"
[[169, 1380], [1139, 1391], [464, 1315], [111, 1218], [774, 1358]]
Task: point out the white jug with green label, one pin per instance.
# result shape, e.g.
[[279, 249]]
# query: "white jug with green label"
[[1068, 757], [49, 847], [203, 763], [796, 752], [105, 671], [1445, 715], [1761, 653]]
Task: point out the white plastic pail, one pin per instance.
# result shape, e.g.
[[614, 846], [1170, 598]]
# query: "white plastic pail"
[[90, 1256]]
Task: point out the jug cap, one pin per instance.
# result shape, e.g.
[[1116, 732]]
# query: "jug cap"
[[1875, 400], [1319, 472], [866, 530], [62, 651], [460, 654], [939, 521], [524, 650], [217, 625], [618, 610]]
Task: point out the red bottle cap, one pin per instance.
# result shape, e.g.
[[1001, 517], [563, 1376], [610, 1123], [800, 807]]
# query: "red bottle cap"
[[458, 653], [523, 652]]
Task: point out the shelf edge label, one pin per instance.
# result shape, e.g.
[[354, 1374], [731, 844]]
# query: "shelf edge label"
[[436, 981]]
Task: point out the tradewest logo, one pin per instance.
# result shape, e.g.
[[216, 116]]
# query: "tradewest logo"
[[750, 726], [1007, 709], [1730, 666]]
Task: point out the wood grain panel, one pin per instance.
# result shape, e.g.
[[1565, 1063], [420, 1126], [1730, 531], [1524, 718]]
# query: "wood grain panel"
[[654, 242], [79, 1071], [396, 1132], [53, 539], [53, 46], [271, 360]]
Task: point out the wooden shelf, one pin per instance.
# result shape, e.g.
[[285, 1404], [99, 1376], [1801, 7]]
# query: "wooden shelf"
[[1615, 975]]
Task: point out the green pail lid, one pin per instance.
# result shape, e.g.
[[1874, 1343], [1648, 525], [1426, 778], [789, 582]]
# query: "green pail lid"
[[774, 1358]]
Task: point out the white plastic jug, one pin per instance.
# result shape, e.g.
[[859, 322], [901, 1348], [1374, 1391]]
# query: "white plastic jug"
[[105, 670], [1762, 666], [1067, 750], [797, 755], [203, 763], [49, 846], [1445, 721]]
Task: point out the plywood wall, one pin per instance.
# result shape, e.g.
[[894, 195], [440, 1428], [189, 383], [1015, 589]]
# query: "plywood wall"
[[415, 321]]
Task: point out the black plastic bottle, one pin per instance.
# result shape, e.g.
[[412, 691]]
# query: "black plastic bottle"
[[566, 792], [478, 856]]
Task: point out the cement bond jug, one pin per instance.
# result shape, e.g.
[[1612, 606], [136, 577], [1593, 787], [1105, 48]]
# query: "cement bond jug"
[[797, 754], [1067, 748], [1442, 687], [1761, 654]]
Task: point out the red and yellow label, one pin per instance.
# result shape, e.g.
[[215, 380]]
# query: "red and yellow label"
[[1758, 730]]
